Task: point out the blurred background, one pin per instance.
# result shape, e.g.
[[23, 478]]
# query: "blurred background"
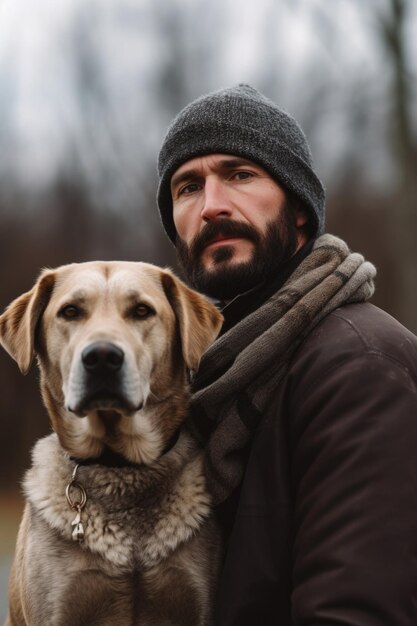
[[87, 90]]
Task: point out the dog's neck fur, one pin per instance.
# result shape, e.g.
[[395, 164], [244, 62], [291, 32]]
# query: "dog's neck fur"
[[134, 516], [110, 458]]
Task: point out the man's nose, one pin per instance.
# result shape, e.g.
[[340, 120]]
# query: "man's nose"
[[216, 201]]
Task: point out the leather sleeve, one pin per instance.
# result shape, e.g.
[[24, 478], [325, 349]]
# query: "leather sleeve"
[[354, 473]]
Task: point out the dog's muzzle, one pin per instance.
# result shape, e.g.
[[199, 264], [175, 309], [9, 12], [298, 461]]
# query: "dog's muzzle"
[[103, 379]]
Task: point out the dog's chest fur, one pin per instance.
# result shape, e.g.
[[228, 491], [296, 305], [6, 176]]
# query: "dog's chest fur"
[[151, 551], [134, 517]]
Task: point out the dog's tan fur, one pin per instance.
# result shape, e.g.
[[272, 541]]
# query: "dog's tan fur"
[[150, 552]]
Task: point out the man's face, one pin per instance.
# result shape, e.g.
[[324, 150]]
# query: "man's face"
[[233, 223]]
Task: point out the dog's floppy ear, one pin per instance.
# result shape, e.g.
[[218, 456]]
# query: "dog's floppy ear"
[[199, 321], [18, 323]]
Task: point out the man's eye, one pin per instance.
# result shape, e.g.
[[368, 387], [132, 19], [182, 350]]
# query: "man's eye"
[[242, 175], [70, 312], [142, 311], [190, 188]]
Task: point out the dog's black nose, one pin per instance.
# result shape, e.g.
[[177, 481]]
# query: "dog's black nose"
[[102, 357]]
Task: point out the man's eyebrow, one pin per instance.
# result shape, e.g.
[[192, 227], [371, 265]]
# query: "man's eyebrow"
[[224, 163], [186, 175]]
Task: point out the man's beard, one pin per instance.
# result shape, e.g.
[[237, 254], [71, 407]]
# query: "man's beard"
[[226, 280]]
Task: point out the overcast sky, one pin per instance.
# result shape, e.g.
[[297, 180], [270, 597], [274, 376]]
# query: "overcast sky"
[[297, 41]]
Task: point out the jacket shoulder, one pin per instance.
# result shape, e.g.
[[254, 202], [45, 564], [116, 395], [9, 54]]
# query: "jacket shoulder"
[[356, 332]]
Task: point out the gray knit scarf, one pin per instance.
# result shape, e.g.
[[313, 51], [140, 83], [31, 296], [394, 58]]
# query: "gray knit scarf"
[[244, 367]]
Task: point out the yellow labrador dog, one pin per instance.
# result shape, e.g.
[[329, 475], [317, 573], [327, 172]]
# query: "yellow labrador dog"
[[117, 528]]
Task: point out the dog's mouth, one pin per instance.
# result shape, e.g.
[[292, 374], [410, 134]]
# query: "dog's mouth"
[[105, 402]]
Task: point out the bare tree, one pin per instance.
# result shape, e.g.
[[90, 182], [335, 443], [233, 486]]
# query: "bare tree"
[[403, 141]]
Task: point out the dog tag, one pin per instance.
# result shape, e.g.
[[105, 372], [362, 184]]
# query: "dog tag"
[[78, 530], [77, 519]]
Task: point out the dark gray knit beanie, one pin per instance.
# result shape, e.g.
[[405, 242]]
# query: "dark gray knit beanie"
[[243, 122]]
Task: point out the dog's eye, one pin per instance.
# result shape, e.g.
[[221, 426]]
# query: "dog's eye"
[[70, 312], [141, 311]]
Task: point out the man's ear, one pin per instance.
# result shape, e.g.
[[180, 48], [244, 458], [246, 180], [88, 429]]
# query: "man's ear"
[[18, 323], [199, 321]]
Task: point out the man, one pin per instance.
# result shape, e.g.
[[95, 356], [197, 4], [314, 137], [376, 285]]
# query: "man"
[[307, 403]]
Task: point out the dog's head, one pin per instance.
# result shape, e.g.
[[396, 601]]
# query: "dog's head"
[[114, 341]]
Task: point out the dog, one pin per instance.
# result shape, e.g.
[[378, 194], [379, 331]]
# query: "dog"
[[117, 528]]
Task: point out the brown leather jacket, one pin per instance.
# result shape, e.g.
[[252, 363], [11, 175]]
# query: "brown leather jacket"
[[324, 529]]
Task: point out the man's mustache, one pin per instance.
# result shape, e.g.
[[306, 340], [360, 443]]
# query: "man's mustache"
[[225, 228]]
